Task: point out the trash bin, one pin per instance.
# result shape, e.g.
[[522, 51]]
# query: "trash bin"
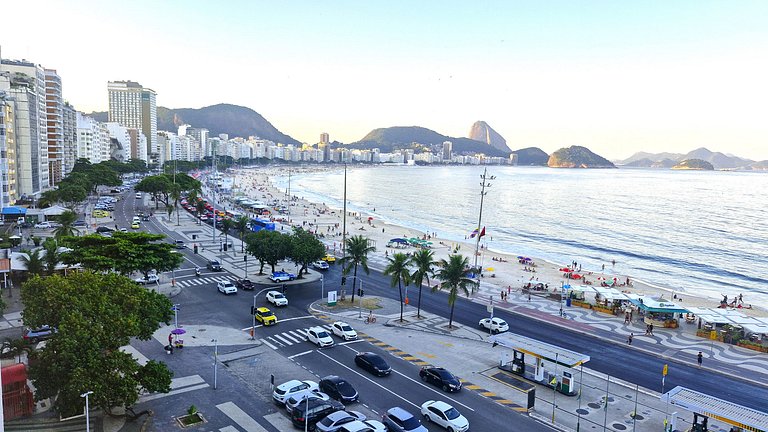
[[568, 302]]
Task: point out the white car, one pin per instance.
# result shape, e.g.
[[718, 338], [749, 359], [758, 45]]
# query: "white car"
[[444, 415], [152, 278], [43, 225], [343, 330], [495, 325], [363, 426], [320, 265], [227, 287], [319, 337], [277, 298], [290, 388], [333, 421]]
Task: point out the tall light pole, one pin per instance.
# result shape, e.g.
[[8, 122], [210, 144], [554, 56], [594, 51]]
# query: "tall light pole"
[[87, 411], [344, 227], [213, 190], [176, 315], [215, 363], [322, 287], [483, 184]]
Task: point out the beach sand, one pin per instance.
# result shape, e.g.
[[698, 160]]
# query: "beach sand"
[[505, 268]]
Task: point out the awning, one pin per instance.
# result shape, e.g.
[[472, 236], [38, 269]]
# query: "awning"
[[650, 304], [14, 211]]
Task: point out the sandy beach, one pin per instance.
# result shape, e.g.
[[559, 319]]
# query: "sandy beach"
[[502, 270]]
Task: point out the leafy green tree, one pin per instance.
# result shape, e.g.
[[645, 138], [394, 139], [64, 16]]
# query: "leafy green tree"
[[423, 260], [95, 314], [48, 198], [305, 248], [398, 270], [66, 225], [34, 261], [52, 256], [241, 226], [71, 194], [123, 253], [268, 247], [454, 275], [358, 248], [158, 186]]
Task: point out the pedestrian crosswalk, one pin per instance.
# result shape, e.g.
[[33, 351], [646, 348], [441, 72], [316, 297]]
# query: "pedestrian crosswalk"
[[205, 280], [291, 337]]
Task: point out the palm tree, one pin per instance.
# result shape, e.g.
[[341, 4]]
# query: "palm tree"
[[454, 274], [241, 226], [52, 256], [33, 261], [225, 226], [398, 269], [358, 248], [423, 260], [66, 228]]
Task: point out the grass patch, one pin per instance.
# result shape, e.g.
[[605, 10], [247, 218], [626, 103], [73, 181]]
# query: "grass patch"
[[190, 420], [368, 303]]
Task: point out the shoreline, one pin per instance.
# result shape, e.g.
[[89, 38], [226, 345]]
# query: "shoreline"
[[507, 271]]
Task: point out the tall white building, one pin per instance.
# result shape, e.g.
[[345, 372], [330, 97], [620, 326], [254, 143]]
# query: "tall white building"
[[121, 142], [134, 106], [93, 142], [54, 110], [7, 144]]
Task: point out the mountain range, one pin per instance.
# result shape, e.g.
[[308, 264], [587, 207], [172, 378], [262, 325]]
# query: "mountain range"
[[415, 137], [718, 160]]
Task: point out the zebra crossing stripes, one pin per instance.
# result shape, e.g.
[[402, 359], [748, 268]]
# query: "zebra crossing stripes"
[[290, 337], [205, 280]]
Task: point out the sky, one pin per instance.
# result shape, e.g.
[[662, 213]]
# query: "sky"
[[615, 76]]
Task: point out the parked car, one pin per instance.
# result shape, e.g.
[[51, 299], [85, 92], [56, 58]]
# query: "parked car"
[[335, 420], [226, 287], [43, 225], [179, 244], [320, 265], [138, 195], [343, 330], [36, 335], [495, 325], [441, 378], [244, 284], [363, 426], [277, 298], [289, 388], [104, 229], [214, 266], [152, 278], [314, 411], [100, 213], [373, 363], [444, 415], [298, 399], [339, 389], [319, 337], [281, 276], [329, 258], [399, 420], [79, 224], [265, 316]]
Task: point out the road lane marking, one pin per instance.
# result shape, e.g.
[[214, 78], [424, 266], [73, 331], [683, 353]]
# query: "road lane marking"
[[300, 354], [265, 342], [171, 393], [240, 417], [349, 342]]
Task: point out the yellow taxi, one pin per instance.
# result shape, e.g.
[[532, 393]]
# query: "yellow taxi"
[[265, 316], [329, 258], [135, 225], [100, 213]]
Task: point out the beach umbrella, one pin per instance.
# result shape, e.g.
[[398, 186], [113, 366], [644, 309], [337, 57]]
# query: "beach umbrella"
[[178, 331], [490, 269], [576, 276], [520, 257]]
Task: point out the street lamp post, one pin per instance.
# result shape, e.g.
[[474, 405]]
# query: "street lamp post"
[[322, 287], [87, 411], [215, 363], [483, 184], [253, 316], [344, 226], [176, 315], [360, 300], [245, 259]]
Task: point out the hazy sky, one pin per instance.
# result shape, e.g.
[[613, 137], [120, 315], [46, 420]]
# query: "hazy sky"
[[615, 76]]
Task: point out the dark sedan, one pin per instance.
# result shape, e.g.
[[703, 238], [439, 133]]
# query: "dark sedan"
[[214, 266], [338, 388], [373, 363], [441, 378], [244, 284]]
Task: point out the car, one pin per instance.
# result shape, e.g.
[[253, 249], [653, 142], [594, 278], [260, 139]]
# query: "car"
[[335, 420], [281, 276], [328, 258], [151, 278], [226, 287], [136, 219], [444, 415], [289, 388], [244, 284], [494, 325], [363, 426], [214, 266], [314, 411], [135, 225], [104, 229], [373, 363], [123, 229], [298, 399], [138, 195], [39, 334], [339, 389], [79, 223], [145, 218], [265, 316], [277, 298], [399, 420], [343, 330], [319, 337], [100, 213], [43, 225], [441, 378], [320, 265], [179, 244]]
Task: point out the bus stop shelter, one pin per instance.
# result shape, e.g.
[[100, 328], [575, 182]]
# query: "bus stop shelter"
[[704, 407]]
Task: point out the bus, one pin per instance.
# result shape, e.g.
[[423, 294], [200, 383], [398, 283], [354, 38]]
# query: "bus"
[[258, 224]]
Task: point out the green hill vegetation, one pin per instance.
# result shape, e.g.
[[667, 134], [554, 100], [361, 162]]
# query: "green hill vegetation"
[[403, 137], [694, 164], [577, 157], [531, 156]]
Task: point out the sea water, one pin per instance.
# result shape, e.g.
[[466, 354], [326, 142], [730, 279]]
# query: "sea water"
[[700, 232]]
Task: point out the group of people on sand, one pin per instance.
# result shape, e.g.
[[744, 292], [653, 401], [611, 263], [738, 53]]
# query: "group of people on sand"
[[737, 302]]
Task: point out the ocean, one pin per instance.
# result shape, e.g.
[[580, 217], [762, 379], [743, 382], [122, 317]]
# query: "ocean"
[[697, 232]]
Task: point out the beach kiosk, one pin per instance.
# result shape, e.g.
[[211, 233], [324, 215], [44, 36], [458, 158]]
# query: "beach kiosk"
[[659, 312], [704, 407], [538, 361]]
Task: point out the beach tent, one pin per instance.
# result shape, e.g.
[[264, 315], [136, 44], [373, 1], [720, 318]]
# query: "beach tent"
[[56, 210], [398, 240]]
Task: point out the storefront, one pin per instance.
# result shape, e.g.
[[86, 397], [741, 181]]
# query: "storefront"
[[658, 311]]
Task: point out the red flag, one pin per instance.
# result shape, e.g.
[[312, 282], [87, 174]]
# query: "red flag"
[[482, 233]]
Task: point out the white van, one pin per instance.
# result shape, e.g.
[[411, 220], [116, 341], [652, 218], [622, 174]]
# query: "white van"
[[136, 219], [138, 195]]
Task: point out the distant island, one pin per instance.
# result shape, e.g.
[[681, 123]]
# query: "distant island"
[[694, 164], [577, 157]]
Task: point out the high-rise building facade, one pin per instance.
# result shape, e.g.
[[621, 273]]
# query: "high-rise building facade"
[[447, 151], [69, 138], [7, 144], [134, 106], [54, 104], [324, 138]]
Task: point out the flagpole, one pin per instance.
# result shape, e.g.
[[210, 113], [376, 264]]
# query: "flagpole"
[[483, 184]]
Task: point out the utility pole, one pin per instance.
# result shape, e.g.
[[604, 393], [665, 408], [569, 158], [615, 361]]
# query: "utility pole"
[[483, 184], [344, 228]]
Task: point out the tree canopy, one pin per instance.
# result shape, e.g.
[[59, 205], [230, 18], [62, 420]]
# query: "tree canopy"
[[268, 247], [163, 188], [95, 315], [305, 249], [123, 253]]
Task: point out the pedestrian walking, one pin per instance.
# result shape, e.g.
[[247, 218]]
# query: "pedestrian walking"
[[629, 339], [700, 358], [529, 296], [626, 317], [650, 329], [170, 338]]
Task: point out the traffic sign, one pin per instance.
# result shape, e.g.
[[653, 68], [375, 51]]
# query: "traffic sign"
[[665, 370]]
